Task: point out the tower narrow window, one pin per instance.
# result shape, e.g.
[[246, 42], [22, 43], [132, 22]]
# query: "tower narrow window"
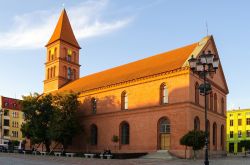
[[211, 101], [54, 71], [163, 94], [196, 93], [222, 106], [124, 100], [215, 135], [69, 73]]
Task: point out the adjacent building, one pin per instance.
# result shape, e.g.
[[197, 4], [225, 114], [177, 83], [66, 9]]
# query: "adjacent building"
[[238, 128], [149, 104], [11, 118]]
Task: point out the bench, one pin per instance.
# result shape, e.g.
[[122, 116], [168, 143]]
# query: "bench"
[[43, 153], [57, 153], [34, 152], [108, 156], [89, 155], [70, 154]]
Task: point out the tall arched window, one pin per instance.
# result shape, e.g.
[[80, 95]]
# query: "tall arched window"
[[196, 123], [215, 102], [222, 137], [211, 101], [124, 100], [69, 73], [163, 94], [124, 132], [215, 135], [222, 106], [93, 134], [196, 93]]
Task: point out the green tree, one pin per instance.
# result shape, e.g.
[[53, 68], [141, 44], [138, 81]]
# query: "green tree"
[[65, 124], [115, 139], [38, 111], [246, 145], [194, 139]]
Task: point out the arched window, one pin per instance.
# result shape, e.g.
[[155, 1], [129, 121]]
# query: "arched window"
[[94, 105], [211, 101], [65, 71], [124, 100], [196, 93], [215, 102], [163, 94], [69, 73], [215, 135], [74, 57], [93, 134], [55, 52], [51, 72], [222, 137], [69, 58], [164, 125], [74, 74], [49, 55], [222, 106], [124, 128], [196, 123], [65, 53], [48, 73], [54, 73]]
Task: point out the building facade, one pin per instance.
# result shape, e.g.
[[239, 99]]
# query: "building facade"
[[238, 128], [149, 104], [11, 120]]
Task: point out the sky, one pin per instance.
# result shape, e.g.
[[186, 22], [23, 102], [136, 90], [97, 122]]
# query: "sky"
[[115, 32]]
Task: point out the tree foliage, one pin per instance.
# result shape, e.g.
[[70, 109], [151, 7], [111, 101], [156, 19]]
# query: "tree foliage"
[[50, 117], [245, 144], [194, 139], [65, 124]]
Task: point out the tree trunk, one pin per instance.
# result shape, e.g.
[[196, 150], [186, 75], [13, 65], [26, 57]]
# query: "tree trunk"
[[47, 145]]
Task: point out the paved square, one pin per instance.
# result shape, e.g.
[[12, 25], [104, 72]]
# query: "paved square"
[[19, 159]]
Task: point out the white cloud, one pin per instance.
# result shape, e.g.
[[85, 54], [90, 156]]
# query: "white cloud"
[[33, 30]]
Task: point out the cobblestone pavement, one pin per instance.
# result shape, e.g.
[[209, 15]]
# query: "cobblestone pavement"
[[18, 159]]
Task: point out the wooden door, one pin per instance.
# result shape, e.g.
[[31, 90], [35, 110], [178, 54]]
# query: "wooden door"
[[165, 141]]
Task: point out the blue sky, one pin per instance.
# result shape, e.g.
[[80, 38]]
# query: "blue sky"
[[114, 32]]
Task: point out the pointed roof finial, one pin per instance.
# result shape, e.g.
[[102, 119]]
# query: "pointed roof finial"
[[63, 31]]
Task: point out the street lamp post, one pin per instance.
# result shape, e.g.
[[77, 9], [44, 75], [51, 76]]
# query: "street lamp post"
[[204, 65], [1, 125]]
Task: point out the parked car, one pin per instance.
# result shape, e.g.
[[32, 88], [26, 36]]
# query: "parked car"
[[3, 147]]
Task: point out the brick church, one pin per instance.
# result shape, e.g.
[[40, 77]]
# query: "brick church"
[[149, 104]]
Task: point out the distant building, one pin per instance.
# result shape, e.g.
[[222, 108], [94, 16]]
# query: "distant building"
[[149, 104], [11, 120], [238, 128]]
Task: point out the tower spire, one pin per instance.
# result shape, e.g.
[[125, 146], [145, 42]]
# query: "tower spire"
[[63, 31]]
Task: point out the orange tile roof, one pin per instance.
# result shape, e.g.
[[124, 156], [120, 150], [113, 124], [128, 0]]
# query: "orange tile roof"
[[63, 31], [149, 66]]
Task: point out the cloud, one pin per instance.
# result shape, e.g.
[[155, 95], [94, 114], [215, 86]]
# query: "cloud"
[[33, 30]]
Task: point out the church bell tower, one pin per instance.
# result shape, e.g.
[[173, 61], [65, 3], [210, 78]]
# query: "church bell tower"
[[62, 62]]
